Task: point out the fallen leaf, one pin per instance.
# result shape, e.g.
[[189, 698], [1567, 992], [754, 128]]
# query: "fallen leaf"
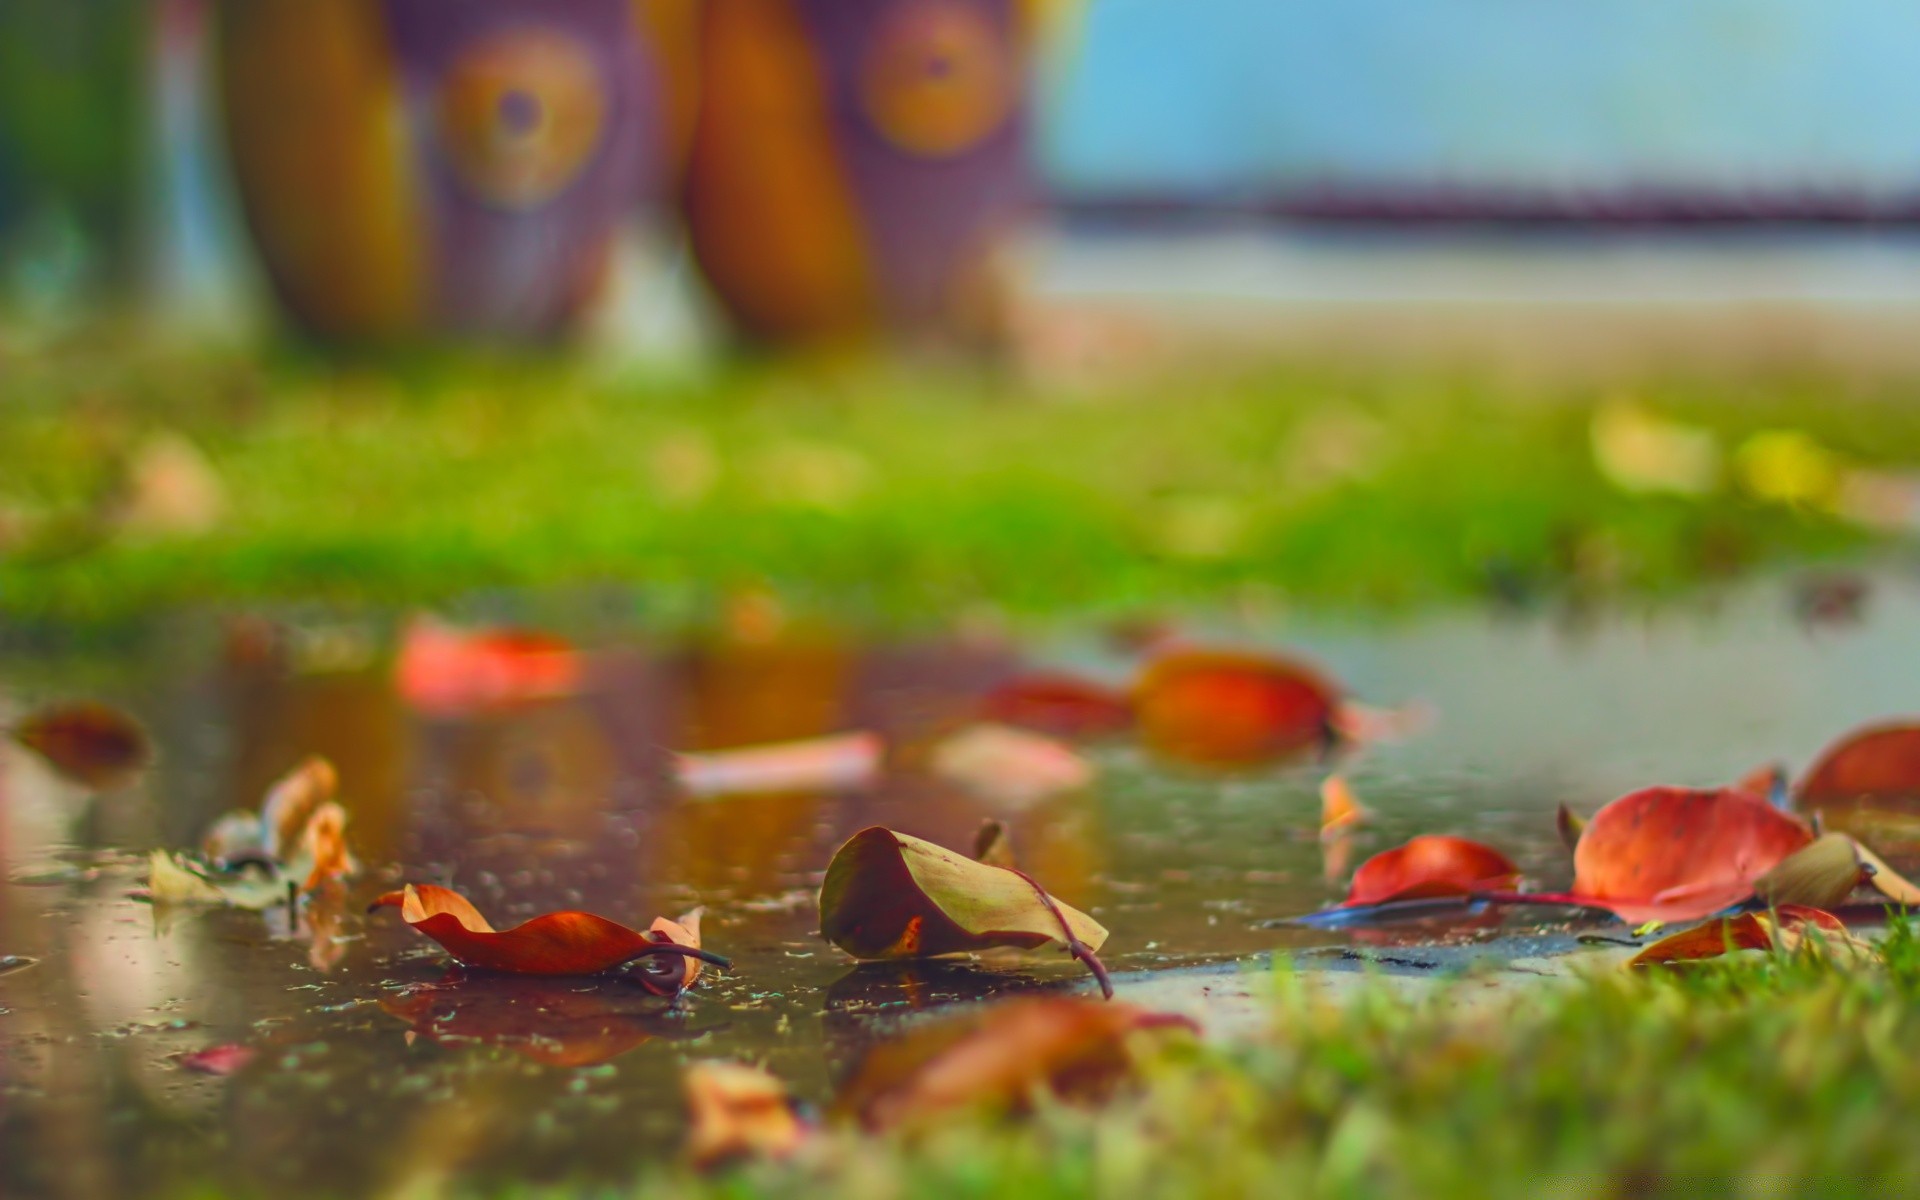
[[324, 844], [838, 763], [1340, 810], [560, 943], [217, 1060], [665, 976], [292, 801], [1429, 866], [993, 845], [1226, 708], [739, 1112], [171, 881], [1676, 854], [1821, 874], [1868, 784], [999, 1058], [1640, 452], [1570, 825], [1014, 768], [298, 838], [1887, 881], [1060, 704], [1789, 928], [887, 895], [91, 744], [444, 670]]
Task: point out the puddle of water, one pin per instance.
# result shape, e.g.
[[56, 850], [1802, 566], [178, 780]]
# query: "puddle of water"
[[378, 1068]]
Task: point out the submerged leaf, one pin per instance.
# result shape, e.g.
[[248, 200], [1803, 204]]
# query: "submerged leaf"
[[738, 1112], [836, 763], [1225, 708], [887, 895], [91, 744], [1013, 768], [1429, 866], [561, 943], [998, 1058], [1060, 704], [1675, 854]]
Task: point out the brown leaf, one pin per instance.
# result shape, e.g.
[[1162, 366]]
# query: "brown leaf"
[[887, 895], [999, 1058], [92, 744], [739, 1112], [1821, 874]]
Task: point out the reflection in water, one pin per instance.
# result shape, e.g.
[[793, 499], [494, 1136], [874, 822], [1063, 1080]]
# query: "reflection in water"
[[558, 1023], [566, 801]]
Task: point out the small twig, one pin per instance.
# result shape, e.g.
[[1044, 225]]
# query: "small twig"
[[1075, 946]]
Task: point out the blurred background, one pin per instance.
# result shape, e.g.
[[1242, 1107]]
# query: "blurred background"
[[669, 176]]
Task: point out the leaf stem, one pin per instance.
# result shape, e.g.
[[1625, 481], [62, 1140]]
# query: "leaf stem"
[[705, 956], [1075, 946]]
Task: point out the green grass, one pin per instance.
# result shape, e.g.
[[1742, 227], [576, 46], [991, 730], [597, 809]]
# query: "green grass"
[[872, 493], [1772, 1076]]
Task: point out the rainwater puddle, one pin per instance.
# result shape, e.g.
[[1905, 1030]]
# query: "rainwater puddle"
[[376, 1068]]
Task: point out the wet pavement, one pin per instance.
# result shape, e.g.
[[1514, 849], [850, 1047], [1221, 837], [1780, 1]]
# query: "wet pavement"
[[379, 1069]]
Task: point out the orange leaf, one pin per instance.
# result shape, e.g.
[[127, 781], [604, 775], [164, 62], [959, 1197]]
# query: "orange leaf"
[[1060, 704], [837, 762], [1784, 929], [561, 943], [1431, 865], [1672, 854], [292, 801], [736, 1111], [1223, 708], [1868, 784], [998, 1058], [1340, 810], [92, 744]]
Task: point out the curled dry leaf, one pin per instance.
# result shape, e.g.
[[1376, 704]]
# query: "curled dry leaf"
[[1790, 928], [1430, 866], [739, 1112], [1821, 874], [1059, 704], [94, 745], [1226, 708], [446, 671], [298, 839], [838, 763], [1013, 768], [999, 1058], [1340, 810], [891, 896], [560, 943], [1673, 854], [292, 802]]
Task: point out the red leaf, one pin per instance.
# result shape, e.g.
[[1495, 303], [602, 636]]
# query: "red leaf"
[[1063, 705], [217, 1060], [1879, 763], [1782, 929], [1674, 854], [91, 744], [445, 670], [1431, 865], [561, 943], [1224, 708]]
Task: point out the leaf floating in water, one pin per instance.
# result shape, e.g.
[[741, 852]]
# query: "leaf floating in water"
[[92, 744], [1431, 866], [1013, 768], [891, 896], [297, 843], [669, 976], [1791, 928], [1059, 704], [838, 763], [1674, 854], [1340, 810], [561, 943], [739, 1112], [998, 1059], [447, 671], [217, 1060], [1224, 708]]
